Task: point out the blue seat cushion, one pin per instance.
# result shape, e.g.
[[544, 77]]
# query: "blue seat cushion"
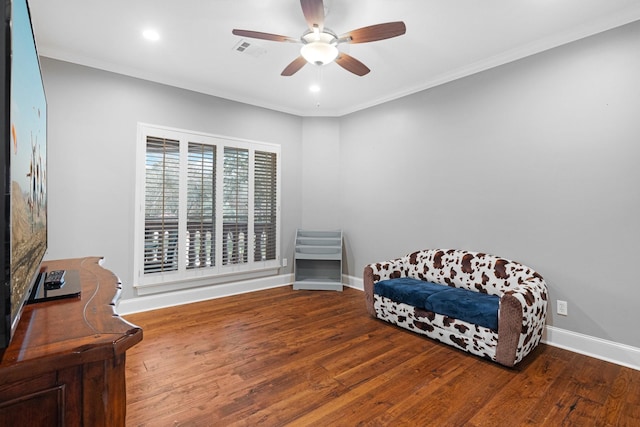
[[473, 307], [407, 290]]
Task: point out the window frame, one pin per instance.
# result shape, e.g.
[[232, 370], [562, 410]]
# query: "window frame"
[[184, 277]]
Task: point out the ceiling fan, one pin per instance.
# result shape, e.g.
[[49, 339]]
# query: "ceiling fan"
[[319, 44]]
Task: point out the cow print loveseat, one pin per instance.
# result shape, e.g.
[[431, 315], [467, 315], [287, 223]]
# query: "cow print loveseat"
[[483, 304]]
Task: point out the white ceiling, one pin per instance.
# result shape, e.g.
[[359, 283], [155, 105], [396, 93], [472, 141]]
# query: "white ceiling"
[[445, 40]]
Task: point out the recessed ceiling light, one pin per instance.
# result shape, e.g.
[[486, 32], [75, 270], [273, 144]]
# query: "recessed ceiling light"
[[151, 35], [314, 88]]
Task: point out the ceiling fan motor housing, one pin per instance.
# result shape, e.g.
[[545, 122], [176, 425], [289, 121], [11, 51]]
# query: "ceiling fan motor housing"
[[319, 48]]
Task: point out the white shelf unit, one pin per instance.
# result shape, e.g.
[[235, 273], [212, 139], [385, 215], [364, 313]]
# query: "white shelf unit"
[[318, 260]]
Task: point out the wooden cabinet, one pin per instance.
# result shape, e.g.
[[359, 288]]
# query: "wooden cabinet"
[[66, 362], [318, 260]]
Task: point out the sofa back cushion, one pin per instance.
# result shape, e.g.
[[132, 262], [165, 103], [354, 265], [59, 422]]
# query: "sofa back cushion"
[[474, 271]]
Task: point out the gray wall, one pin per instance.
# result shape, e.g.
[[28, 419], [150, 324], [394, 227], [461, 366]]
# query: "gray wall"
[[321, 173], [92, 147], [536, 161]]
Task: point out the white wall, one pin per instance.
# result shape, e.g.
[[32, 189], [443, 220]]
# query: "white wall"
[[93, 118], [537, 161]]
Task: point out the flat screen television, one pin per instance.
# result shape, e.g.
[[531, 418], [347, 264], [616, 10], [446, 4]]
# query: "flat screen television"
[[23, 159]]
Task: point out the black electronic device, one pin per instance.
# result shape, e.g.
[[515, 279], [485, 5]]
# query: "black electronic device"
[[54, 279], [55, 285]]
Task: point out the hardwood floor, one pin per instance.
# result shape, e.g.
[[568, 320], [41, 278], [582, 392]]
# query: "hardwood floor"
[[284, 357]]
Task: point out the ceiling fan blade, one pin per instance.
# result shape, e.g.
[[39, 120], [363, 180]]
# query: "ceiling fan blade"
[[264, 36], [375, 32], [351, 64], [293, 68], [313, 11]]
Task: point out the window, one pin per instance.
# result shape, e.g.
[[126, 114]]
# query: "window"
[[265, 205], [208, 207], [201, 206], [235, 209]]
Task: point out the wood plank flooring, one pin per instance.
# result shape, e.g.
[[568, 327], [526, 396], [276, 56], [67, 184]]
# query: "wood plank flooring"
[[283, 357]]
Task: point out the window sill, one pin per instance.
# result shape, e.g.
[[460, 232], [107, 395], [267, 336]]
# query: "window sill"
[[167, 285]]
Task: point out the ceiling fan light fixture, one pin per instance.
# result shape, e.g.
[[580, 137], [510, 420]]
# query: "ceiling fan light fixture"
[[319, 53], [151, 35]]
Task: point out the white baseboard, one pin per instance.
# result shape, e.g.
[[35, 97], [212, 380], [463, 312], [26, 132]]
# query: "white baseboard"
[[609, 351], [186, 296], [353, 282]]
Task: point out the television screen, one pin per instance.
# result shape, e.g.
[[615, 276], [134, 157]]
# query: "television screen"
[[26, 160]]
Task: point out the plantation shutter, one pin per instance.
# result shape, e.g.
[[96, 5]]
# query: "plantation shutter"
[[161, 205], [235, 206], [201, 206], [208, 209], [265, 205]]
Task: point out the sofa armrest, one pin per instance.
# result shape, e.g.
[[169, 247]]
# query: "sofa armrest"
[[521, 320], [388, 269], [376, 272], [367, 278]]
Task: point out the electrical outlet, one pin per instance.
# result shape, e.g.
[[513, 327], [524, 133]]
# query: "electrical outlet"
[[562, 308], [284, 262]]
